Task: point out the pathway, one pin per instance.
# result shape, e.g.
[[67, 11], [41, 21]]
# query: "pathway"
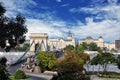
[[94, 77]]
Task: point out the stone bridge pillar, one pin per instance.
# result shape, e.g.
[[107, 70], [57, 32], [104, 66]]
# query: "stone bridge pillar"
[[40, 38]]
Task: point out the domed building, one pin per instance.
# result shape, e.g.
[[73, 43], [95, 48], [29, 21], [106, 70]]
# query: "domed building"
[[100, 42], [50, 44]]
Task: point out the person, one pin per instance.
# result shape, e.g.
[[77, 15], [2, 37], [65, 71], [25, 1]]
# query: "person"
[[32, 59], [22, 65], [28, 60], [32, 68], [7, 47]]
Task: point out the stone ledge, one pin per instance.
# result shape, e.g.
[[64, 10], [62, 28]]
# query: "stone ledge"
[[50, 72]]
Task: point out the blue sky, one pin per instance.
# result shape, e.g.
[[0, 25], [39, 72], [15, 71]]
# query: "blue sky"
[[56, 17]]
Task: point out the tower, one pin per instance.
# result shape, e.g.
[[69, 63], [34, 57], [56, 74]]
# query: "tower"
[[69, 36], [40, 38]]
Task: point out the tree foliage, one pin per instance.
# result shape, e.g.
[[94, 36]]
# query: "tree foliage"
[[19, 74], [91, 46], [11, 29], [118, 61], [80, 49], [70, 67], [103, 59], [81, 54], [46, 60], [70, 63], [84, 45], [4, 74], [71, 47]]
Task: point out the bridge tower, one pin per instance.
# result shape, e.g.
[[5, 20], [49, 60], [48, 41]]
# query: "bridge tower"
[[40, 38]]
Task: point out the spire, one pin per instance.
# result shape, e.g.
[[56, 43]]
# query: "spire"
[[100, 37], [69, 34]]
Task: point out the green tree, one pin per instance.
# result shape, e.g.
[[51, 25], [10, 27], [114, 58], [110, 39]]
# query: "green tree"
[[93, 46], [80, 49], [19, 74], [103, 59], [46, 60], [70, 67], [25, 46], [84, 45], [118, 61], [11, 29], [4, 74], [71, 47]]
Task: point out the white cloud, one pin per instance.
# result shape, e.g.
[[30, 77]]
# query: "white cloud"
[[39, 26], [108, 27], [112, 2], [48, 24], [65, 5], [14, 7], [59, 0]]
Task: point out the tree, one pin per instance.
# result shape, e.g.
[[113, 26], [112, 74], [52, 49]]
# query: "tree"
[[93, 46], [71, 47], [80, 49], [81, 54], [46, 60], [19, 74], [4, 75], [25, 46], [103, 59], [84, 45], [118, 61], [70, 67], [12, 30]]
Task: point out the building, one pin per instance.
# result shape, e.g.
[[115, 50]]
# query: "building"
[[58, 44], [50, 44], [47, 44], [117, 44], [100, 42]]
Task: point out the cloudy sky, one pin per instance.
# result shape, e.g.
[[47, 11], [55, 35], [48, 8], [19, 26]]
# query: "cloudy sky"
[[56, 17]]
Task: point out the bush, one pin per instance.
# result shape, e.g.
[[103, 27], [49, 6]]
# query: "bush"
[[4, 74], [19, 74], [46, 60], [70, 67]]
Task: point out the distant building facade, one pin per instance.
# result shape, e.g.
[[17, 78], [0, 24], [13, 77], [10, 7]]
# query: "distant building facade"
[[50, 44], [58, 44], [47, 44], [100, 42], [117, 44]]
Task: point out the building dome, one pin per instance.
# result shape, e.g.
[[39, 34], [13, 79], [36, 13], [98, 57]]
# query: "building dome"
[[100, 37], [89, 37]]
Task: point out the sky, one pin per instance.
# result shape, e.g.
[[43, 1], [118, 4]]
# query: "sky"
[[57, 17]]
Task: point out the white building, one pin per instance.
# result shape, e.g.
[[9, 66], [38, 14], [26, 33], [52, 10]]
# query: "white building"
[[100, 42], [58, 44], [50, 44]]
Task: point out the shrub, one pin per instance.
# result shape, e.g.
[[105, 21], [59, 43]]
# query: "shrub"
[[46, 60], [19, 74]]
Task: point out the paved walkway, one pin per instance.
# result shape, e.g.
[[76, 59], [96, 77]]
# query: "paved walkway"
[[93, 77], [42, 76]]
